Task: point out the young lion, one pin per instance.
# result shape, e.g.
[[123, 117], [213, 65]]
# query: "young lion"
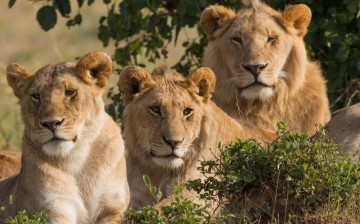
[[170, 125], [73, 162], [259, 58], [9, 163]]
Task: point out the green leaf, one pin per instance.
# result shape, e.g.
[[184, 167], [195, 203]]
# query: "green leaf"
[[146, 179], [102, 19], [80, 2], [64, 7], [295, 172], [46, 16], [104, 35], [11, 3], [76, 21]]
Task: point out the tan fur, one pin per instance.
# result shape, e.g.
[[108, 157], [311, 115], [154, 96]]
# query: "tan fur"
[[170, 124], [290, 88], [9, 163], [344, 128], [79, 177]]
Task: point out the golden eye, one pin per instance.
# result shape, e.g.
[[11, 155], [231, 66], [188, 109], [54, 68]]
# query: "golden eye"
[[237, 40], [155, 110], [188, 112], [70, 93], [35, 97], [271, 39]]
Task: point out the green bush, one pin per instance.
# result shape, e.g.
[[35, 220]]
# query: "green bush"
[[285, 180], [292, 180], [23, 218], [181, 210]]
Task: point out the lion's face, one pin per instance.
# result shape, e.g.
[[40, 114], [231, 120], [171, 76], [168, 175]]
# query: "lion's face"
[[168, 123], [258, 48], [256, 44], [165, 114], [60, 103], [57, 108]]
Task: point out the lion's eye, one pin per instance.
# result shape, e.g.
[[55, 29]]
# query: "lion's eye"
[[70, 93], [271, 39], [188, 112], [155, 110], [236, 40], [35, 97]]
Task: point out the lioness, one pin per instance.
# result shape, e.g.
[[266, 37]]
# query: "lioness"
[[261, 66], [170, 124], [73, 163], [344, 128], [9, 163]]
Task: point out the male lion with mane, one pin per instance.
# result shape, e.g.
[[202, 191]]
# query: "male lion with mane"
[[170, 124], [260, 61], [73, 161]]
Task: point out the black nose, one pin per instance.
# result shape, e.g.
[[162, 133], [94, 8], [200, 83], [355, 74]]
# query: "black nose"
[[172, 143], [255, 69], [52, 125]]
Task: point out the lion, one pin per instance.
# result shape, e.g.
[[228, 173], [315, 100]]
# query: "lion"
[[170, 124], [344, 128], [73, 156], [9, 163], [261, 66]]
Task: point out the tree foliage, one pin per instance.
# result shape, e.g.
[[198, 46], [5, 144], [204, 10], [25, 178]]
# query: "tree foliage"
[[145, 28]]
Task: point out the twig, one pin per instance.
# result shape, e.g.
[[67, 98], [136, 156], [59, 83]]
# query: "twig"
[[286, 202], [275, 199], [351, 97]]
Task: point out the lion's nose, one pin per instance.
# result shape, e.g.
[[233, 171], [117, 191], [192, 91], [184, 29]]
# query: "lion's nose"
[[52, 125], [173, 143], [255, 69]]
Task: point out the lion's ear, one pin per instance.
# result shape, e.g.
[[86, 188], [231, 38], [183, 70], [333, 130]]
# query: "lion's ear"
[[204, 79], [215, 18], [133, 80], [19, 78], [95, 68], [297, 16]]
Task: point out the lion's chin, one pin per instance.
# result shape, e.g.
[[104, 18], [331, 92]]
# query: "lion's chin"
[[168, 161], [257, 92], [58, 148]]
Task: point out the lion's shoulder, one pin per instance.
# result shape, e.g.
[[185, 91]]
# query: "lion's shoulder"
[[10, 163]]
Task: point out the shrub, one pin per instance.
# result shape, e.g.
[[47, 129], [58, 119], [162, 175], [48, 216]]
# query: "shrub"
[[292, 180], [284, 181], [181, 210], [23, 217]]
